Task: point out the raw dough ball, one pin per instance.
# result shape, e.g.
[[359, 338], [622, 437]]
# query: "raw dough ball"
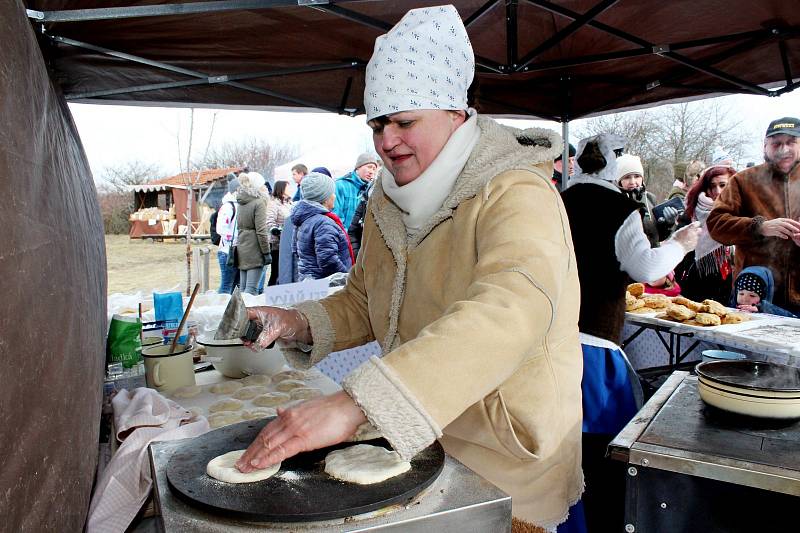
[[248, 393], [223, 468], [289, 384], [271, 399], [189, 391], [226, 387], [305, 393], [257, 379], [228, 404], [288, 374], [365, 464], [258, 412], [217, 420]]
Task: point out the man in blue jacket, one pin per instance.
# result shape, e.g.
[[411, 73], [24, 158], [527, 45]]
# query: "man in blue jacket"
[[349, 188]]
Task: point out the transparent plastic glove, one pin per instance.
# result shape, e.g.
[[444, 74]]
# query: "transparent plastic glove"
[[687, 236], [670, 215], [283, 324], [309, 425]]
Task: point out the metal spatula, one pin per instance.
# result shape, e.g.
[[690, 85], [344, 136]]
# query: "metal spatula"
[[235, 324]]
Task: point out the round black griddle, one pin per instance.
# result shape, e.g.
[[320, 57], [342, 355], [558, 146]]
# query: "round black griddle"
[[300, 491], [752, 375]]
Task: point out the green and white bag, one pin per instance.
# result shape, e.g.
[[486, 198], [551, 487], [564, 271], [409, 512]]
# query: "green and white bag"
[[124, 344]]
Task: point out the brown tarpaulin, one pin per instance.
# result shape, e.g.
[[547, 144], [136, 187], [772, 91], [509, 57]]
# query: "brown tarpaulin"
[[53, 315], [609, 62], [628, 54]]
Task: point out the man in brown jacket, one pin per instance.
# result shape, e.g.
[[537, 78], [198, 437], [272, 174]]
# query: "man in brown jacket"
[[759, 212]]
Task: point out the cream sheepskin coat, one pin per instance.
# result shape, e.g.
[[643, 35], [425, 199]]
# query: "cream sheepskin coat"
[[477, 315]]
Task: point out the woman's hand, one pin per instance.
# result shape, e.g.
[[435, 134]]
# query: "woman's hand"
[[310, 425], [285, 324]]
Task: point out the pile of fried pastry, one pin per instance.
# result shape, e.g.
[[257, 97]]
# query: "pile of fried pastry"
[[679, 309]]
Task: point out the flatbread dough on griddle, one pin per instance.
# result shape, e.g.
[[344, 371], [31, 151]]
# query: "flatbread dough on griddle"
[[365, 464], [223, 468]]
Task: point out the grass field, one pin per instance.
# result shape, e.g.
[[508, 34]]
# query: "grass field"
[[136, 265]]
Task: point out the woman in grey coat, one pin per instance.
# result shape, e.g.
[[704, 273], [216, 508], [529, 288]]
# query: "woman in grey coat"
[[252, 246]]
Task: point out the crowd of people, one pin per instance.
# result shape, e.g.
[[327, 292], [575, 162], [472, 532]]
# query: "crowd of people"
[[499, 300], [263, 230]]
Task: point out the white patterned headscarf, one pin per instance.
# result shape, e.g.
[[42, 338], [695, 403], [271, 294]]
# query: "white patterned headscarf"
[[425, 62]]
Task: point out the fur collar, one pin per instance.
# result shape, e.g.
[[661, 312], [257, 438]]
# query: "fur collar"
[[499, 149]]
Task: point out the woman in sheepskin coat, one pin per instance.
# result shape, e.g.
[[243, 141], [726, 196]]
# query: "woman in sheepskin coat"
[[467, 279]]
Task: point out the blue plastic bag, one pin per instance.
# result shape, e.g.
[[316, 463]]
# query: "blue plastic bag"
[[168, 308]]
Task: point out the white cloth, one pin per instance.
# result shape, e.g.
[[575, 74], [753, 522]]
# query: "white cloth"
[[141, 416], [424, 62], [226, 222], [637, 258], [421, 198], [591, 340], [606, 143]]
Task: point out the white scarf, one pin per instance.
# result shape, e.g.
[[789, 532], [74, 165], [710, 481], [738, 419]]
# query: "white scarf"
[[421, 198]]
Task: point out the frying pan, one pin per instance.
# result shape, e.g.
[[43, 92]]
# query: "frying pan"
[[751, 388]]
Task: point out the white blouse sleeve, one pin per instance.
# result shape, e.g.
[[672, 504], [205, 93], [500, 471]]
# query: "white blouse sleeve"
[[637, 258]]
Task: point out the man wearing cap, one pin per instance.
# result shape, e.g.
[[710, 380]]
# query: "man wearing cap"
[[350, 188], [558, 168], [759, 212]]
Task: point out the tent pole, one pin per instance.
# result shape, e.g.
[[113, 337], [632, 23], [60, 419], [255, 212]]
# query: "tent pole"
[[565, 154]]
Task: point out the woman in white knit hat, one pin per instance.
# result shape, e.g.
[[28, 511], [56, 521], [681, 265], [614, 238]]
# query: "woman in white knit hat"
[[467, 278]]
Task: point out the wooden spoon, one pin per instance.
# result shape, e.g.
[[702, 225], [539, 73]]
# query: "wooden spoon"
[[183, 319]]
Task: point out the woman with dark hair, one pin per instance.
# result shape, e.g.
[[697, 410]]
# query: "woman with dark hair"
[[706, 272], [280, 205]]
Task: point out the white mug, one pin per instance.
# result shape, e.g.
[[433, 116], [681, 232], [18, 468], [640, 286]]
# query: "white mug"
[[166, 372]]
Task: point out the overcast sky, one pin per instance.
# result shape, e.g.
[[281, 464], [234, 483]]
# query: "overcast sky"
[[114, 134]]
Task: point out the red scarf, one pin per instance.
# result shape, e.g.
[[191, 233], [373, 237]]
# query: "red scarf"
[[331, 215]]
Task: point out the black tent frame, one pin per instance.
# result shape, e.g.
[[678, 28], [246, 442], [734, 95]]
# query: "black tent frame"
[[515, 64]]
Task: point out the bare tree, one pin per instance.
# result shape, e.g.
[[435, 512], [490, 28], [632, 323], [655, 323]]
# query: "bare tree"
[[258, 155], [119, 177], [668, 137], [114, 196]]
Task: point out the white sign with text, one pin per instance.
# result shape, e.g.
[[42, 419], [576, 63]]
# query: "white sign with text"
[[292, 293]]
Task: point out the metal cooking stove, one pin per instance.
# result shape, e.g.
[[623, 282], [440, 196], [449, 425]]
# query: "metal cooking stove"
[[458, 500], [694, 468]]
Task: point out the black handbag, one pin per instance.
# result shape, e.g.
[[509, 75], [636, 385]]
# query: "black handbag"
[[233, 257]]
